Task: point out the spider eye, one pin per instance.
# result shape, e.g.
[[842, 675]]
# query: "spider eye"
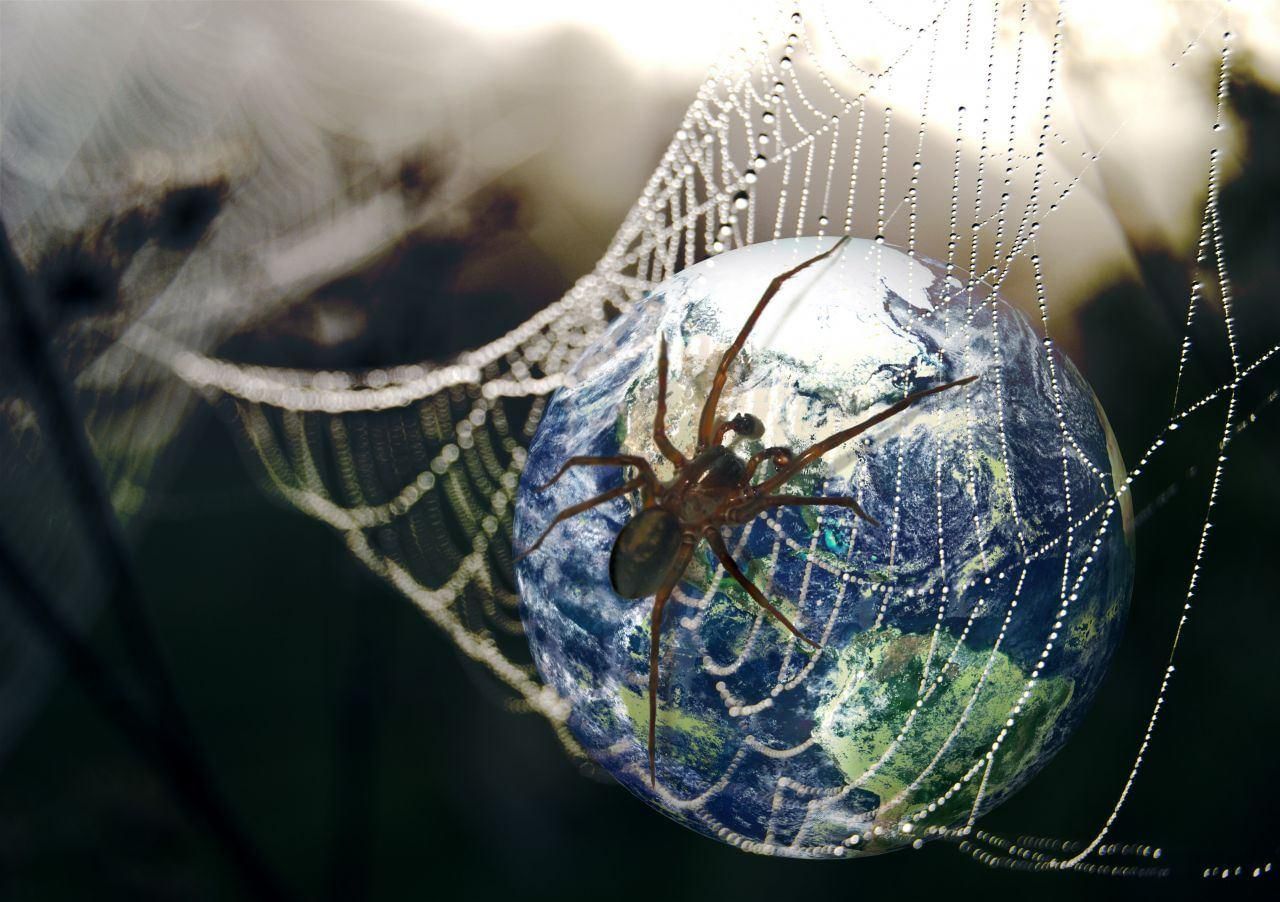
[[747, 426]]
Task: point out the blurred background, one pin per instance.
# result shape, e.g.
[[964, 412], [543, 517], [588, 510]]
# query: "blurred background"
[[351, 186]]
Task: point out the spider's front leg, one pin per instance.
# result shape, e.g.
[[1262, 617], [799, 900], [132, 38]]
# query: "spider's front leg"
[[745, 425], [778, 455], [707, 419], [831, 442]]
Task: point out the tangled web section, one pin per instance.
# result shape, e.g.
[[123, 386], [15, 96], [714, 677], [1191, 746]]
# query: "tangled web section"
[[941, 129]]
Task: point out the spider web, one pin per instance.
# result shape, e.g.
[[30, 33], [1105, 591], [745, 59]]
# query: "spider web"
[[874, 120]]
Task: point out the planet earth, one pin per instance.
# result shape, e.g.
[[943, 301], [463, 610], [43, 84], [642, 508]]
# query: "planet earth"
[[961, 639]]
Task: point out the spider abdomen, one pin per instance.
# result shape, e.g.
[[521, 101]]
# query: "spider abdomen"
[[644, 552]]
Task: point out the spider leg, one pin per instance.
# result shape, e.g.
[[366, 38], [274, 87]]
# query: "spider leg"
[[779, 455], [655, 635], [817, 450], [574, 510], [755, 507], [616, 460], [731, 567], [707, 422], [669, 451], [743, 424]]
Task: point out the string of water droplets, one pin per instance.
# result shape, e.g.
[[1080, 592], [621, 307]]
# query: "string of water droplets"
[[416, 466]]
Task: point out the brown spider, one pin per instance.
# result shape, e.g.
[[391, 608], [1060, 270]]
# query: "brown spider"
[[711, 490]]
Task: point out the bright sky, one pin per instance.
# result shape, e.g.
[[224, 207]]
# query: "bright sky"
[[663, 34], [683, 35]]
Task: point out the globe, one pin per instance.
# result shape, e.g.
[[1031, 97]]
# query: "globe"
[[961, 637]]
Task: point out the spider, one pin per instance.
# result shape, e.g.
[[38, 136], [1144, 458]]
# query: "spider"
[[711, 490]]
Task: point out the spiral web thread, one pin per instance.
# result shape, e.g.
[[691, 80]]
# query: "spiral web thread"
[[795, 134]]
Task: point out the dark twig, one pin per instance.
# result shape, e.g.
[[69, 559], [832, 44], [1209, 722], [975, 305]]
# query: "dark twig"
[[165, 738]]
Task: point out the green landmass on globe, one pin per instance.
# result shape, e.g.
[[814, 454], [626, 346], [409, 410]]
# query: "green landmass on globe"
[[961, 639]]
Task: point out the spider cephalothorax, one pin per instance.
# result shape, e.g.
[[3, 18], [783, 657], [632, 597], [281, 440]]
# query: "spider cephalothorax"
[[712, 489]]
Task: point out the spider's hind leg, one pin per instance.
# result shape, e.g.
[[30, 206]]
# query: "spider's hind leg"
[[731, 567], [749, 512], [615, 460], [574, 510], [655, 637]]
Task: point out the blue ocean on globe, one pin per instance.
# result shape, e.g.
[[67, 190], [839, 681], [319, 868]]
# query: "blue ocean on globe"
[[962, 637]]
